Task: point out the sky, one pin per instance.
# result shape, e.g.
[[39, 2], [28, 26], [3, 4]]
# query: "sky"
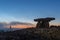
[[28, 10]]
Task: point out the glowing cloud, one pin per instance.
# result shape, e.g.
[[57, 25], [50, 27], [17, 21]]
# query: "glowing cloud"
[[16, 25]]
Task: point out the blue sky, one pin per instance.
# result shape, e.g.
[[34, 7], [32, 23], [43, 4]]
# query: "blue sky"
[[27, 10]]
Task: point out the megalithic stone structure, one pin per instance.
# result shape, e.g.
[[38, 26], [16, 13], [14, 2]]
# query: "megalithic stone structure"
[[43, 22]]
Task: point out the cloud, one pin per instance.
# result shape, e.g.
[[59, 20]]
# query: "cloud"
[[3, 25], [15, 24], [21, 23]]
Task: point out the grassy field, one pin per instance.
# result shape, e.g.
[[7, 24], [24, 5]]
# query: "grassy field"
[[33, 34]]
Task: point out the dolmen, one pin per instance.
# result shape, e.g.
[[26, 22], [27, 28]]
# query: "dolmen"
[[43, 22]]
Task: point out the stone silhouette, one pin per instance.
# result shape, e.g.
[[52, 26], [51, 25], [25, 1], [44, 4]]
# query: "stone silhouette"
[[10, 27], [43, 22]]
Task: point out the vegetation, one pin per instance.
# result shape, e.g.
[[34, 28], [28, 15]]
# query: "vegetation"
[[32, 34]]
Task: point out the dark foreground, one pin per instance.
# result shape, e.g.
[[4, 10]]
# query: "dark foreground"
[[32, 34]]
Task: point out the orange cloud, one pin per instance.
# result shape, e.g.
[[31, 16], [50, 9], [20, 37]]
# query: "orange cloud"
[[22, 26]]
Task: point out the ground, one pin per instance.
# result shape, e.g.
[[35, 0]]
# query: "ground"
[[32, 34]]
